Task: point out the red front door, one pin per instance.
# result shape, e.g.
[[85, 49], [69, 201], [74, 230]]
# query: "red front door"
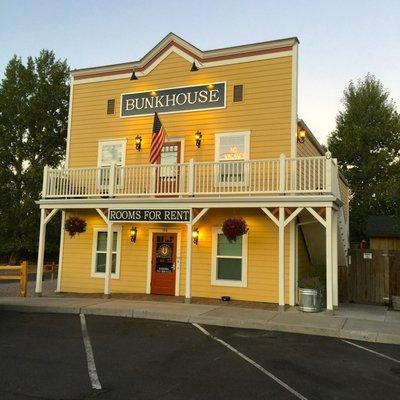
[[163, 263], [168, 174]]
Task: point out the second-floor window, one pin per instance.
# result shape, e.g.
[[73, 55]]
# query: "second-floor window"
[[231, 149], [110, 151]]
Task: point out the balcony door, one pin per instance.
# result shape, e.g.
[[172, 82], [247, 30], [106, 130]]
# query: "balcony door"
[[169, 171]]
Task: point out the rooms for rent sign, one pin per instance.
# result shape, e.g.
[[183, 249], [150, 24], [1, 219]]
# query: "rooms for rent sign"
[[188, 98], [132, 215]]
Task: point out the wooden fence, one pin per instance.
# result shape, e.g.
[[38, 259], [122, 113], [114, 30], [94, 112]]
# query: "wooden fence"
[[372, 276], [16, 272]]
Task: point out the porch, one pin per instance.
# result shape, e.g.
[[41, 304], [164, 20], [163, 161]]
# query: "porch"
[[266, 177]]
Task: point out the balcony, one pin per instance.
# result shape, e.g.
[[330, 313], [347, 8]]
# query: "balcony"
[[280, 176]]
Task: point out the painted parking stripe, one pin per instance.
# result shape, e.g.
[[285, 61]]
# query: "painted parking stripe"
[[372, 351], [253, 363], [94, 379]]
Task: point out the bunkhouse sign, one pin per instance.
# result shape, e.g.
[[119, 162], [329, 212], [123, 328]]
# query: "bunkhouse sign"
[[187, 98], [143, 215]]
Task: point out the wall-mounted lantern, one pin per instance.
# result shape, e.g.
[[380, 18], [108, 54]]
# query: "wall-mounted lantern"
[[138, 142], [194, 67], [133, 234], [301, 135], [198, 136], [195, 236]]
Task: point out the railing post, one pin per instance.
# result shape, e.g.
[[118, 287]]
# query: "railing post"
[[24, 278], [328, 172], [45, 177], [191, 177], [282, 173], [111, 183]]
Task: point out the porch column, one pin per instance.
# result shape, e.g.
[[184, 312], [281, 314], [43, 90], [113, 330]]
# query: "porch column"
[[329, 272], [293, 263], [60, 255], [42, 240], [281, 284], [335, 258], [107, 278], [188, 286]]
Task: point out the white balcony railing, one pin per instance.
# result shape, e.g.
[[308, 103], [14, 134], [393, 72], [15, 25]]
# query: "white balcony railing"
[[281, 176]]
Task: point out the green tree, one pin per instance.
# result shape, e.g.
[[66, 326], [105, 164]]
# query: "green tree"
[[366, 142], [33, 130]]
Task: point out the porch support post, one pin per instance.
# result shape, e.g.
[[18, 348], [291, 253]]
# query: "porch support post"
[[60, 256], [107, 278], [281, 284], [335, 258], [329, 277], [188, 286], [293, 263], [42, 240]]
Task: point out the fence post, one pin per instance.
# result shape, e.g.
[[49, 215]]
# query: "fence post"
[[24, 278], [191, 177], [328, 171], [111, 183], [282, 173], [45, 177]]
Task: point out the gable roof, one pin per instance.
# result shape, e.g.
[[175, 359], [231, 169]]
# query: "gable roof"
[[174, 43], [382, 226]]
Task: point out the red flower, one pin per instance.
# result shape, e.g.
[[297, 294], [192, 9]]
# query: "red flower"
[[234, 227], [74, 225]]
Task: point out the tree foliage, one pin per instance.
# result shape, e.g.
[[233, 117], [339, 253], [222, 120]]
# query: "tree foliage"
[[33, 130], [366, 142]]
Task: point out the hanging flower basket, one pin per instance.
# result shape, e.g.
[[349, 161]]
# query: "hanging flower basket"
[[74, 225], [234, 227]]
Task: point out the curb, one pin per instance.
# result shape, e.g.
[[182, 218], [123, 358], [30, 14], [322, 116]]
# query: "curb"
[[366, 336]]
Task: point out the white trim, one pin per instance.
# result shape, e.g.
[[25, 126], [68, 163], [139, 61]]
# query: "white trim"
[[50, 216], [281, 252], [225, 282], [150, 254], [270, 215], [199, 215], [71, 99], [174, 112], [293, 130], [96, 230], [61, 252], [102, 215], [239, 60], [293, 215], [317, 216], [292, 263], [113, 142]]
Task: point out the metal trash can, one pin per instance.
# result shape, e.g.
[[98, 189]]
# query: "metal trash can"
[[310, 300]]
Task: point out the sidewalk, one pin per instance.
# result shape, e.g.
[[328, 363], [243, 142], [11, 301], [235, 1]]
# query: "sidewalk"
[[358, 322]]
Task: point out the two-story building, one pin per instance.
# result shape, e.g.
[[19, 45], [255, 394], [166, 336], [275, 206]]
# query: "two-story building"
[[234, 148]]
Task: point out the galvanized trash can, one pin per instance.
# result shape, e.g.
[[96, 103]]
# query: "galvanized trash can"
[[310, 300]]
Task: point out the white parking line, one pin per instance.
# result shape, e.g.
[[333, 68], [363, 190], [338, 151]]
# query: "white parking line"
[[372, 351], [94, 379], [253, 363]]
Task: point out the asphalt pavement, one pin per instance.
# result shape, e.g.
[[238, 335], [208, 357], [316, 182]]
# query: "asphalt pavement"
[[43, 356]]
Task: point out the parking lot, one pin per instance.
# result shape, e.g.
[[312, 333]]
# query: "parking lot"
[[56, 356]]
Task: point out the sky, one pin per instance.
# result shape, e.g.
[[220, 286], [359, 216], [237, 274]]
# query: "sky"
[[340, 40]]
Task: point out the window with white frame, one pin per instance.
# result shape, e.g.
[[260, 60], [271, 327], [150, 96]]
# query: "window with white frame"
[[229, 260], [110, 151], [230, 150], [100, 252]]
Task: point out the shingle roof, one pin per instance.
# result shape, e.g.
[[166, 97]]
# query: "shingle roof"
[[382, 226]]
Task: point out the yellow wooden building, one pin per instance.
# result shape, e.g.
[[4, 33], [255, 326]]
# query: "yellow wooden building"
[[234, 149]]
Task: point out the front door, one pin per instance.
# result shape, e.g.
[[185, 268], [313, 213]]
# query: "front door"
[[168, 175], [163, 263]]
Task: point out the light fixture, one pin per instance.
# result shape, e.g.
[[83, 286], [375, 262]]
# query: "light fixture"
[[194, 67], [301, 135], [133, 234], [198, 136], [153, 93], [133, 76], [138, 142], [210, 86], [195, 236]]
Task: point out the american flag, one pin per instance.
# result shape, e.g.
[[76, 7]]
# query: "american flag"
[[157, 140]]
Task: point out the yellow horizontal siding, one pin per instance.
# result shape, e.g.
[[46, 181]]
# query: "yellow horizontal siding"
[[265, 111], [262, 263]]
